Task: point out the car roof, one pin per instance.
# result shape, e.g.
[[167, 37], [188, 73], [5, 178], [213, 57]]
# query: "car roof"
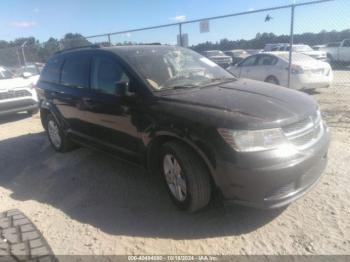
[[119, 50]]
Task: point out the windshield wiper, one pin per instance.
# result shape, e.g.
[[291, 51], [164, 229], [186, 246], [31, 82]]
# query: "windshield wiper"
[[180, 87], [223, 79]]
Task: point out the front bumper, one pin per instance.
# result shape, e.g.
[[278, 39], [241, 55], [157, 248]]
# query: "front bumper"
[[18, 100], [269, 180], [17, 106]]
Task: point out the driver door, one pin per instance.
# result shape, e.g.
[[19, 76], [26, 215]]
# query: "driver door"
[[110, 117]]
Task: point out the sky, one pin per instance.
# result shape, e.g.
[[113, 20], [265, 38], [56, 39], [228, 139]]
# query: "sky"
[[43, 19]]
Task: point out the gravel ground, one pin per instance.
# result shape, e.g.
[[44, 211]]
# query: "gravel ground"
[[85, 202]]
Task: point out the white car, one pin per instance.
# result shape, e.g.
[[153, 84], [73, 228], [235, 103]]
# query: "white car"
[[303, 49], [338, 51], [17, 94], [307, 73]]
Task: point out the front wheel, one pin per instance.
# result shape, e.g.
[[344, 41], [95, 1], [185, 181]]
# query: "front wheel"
[[186, 176]]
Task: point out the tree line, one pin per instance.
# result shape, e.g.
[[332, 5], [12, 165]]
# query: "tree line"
[[11, 53]]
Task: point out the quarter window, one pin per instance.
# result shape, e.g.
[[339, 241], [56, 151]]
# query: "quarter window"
[[107, 73], [75, 72]]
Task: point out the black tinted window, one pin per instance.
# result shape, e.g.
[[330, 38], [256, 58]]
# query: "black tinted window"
[[75, 71], [106, 74], [51, 71]]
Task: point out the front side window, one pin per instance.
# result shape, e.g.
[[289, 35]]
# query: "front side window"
[[250, 61], [106, 75], [75, 71], [174, 67]]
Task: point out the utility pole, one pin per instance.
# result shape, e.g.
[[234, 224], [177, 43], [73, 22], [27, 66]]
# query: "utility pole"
[[24, 56]]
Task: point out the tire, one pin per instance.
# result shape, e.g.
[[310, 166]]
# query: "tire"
[[33, 111], [58, 140], [194, 176], [20, 240], [272, 80]]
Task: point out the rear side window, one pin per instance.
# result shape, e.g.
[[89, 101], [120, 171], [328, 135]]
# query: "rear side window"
[[51, 71], [75, 71]]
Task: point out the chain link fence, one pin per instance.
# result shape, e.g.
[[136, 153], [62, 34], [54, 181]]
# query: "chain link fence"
[[309, 29]]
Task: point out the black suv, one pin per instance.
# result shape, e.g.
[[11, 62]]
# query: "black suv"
[[180, 115]]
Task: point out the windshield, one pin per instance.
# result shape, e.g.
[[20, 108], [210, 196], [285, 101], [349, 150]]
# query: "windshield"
[[5, 74], [302, 48], [171, 67]]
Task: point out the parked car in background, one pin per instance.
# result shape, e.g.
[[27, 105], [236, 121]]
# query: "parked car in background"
[[200, 131], [303, 49], [218, 57], [338, 52], [237, 55], [254, 51], [30, 69], [17, 93], [318, 47], [307, 73]]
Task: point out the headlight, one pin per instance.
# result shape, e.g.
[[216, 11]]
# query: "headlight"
[[253, 140]]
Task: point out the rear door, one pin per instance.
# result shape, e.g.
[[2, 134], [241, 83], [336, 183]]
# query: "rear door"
[[265, 66], [73, 85], [247, 67]]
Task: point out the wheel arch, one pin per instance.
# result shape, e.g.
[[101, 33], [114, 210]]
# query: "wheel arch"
[[47, 108], [198, 148], [272, 76]]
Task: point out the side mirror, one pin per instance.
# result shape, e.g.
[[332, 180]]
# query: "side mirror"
[[121, 88], [26, 75]]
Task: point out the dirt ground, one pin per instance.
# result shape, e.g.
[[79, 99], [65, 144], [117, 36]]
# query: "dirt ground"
[[85, 202]]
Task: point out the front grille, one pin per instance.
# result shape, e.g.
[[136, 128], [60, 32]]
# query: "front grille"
[[305, 132], [14, 94]]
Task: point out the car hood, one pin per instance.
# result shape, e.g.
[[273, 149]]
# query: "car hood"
[[18, 82], [243, 104]]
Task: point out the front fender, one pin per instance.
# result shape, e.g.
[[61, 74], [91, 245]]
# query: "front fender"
[[157, 137]]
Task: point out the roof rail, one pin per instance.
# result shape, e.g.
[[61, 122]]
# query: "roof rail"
[[78, 47]]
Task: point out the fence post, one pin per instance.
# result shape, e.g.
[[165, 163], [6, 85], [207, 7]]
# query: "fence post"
[[180, 34], [291, 45], [109, 39]]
